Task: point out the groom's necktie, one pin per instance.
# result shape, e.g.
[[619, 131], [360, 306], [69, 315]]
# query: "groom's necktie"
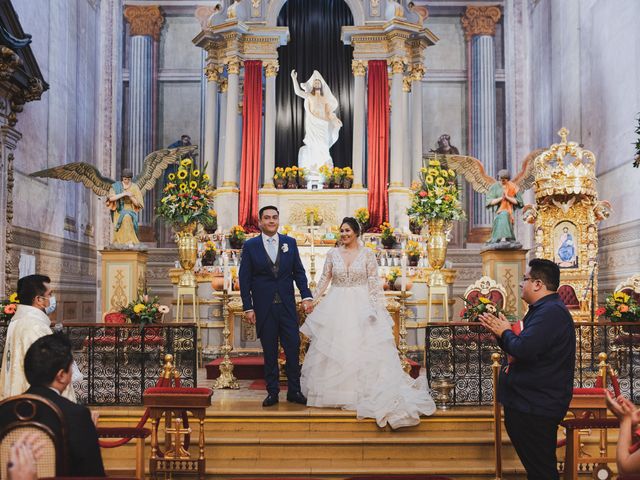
[[271, 249]]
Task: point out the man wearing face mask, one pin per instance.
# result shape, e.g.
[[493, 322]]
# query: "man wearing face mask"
[[29, 323]]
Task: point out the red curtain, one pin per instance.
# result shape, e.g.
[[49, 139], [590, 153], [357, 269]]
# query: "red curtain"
[[251, 144], [378, 142]]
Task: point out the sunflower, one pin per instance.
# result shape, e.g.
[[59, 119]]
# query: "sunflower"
[[429, 180], [432, 171], [183, 187], [13, 298], [440, 181], [206, 177], [185, 162], [182, 174], [193, 184], [434, 163], [444, 173], [452, 173], [196, 173], [172, 176]]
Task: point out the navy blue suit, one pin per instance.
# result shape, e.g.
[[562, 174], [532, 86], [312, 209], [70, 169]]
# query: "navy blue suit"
[[267, 288]]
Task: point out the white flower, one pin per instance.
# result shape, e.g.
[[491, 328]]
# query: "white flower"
[[438, 201], [284, 248], [491, 309]]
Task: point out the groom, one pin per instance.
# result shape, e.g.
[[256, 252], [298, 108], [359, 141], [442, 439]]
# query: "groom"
[[269, 266]]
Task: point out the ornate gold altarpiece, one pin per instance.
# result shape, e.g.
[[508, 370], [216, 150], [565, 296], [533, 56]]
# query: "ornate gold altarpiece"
[[566, 217]]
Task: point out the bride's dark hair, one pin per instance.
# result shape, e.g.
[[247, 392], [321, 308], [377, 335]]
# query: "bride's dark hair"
[[353, 223]]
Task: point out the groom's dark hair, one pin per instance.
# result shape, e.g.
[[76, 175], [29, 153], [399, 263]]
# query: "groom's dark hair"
[[268, 207]]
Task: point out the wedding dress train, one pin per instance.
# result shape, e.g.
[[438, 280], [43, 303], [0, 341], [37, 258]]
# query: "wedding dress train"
[[352, 361]]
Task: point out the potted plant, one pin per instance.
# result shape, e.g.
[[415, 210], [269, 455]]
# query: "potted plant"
[[362, 216], [415, 226], [347, 180], [209, 254], [210, 223], [413, 251], [144, 310], [327, 175], [313, 216], [292, 176], [279, 179], [302, 177], [393, 275], [338, 176], [237, 236], [387, 237], [8, 308]]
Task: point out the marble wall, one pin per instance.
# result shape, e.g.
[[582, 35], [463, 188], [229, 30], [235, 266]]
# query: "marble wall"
[[585, 62], [54, 220]]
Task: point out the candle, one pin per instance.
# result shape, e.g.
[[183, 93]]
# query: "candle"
[[225, 270], [403, 263], [312, 241]]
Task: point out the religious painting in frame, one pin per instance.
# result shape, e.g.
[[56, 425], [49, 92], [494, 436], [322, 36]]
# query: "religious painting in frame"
[[565, 244]]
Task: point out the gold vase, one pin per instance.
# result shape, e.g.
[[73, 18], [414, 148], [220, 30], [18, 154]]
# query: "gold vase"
[[437, 248], [187, 254]]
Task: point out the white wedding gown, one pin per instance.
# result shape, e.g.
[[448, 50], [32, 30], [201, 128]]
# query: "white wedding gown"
[[352, 361]]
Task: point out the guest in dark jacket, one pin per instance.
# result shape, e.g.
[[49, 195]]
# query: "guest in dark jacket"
[[536, 387], [47, 366]]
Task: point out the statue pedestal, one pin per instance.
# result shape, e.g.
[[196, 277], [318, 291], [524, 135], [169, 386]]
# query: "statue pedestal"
[[123, 275], [507, 267]]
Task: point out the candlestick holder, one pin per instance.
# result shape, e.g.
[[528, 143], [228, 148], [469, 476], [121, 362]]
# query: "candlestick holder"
[[226, 378]]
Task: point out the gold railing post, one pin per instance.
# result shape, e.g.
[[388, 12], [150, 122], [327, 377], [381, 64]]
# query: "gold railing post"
[[402, 332], [602, 371], [226, 378], [497, 415]]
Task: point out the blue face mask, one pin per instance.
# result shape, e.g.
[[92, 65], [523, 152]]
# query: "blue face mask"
[[52, 305]]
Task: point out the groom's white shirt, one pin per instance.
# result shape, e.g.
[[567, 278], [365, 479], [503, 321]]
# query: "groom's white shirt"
[[265, 242]]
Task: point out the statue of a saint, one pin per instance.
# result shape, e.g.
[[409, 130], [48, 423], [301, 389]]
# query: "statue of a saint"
[[321, 125], [503, 197], [445, 147], [125, 197]]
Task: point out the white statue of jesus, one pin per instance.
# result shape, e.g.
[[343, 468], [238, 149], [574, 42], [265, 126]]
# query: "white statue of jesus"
[[321, 126]]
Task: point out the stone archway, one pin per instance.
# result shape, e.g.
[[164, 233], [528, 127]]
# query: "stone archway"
[[356, 7]]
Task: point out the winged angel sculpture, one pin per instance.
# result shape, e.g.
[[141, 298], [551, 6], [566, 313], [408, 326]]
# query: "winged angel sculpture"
[[125, 198], [504, 195]]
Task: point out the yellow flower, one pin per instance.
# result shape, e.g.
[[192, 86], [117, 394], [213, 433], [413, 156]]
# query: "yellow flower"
[[183, 187], [206, 177], [196, 173], [440, 181], [139, 308], [429, 180], [193, 184], [182, 174], [423, 170], [434, 163], [172, 176], [452, 173], [185, 162], [433, 172], [484, 300], [13, 298], [444, 173]]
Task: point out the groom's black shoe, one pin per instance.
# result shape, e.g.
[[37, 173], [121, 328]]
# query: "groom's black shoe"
[[271, 399], [297, 397]]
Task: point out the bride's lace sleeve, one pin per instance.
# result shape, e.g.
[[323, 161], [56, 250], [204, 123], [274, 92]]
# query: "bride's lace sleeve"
[[376, 294], [325, 278]]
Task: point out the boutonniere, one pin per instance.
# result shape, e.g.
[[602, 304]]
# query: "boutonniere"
[[284, 247]]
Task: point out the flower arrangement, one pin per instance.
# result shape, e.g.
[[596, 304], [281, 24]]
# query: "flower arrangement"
[[392, 276], [286, 229], [186, 197], [387, 237], [144, 310], [8, 308], [362, 216], [471, 312], [209, 253], [326, 171], [436, 195], [338, 176], [313, 216], [620, 307], [237, 236], [413, 251], [210, 223]]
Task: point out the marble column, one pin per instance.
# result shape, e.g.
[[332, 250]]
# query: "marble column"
[[407, 109], [231, 160], [222, 134], [396, 123], [479, 26], [271, 71], [417, 73], [359, 68], [212, 73], [144, 28]]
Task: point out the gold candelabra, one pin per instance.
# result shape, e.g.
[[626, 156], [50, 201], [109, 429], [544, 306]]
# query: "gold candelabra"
[[403, 348], [226, 378], [312, 267]]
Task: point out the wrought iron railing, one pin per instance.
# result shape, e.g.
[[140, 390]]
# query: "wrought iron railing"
[[461, 353], [120, 361]]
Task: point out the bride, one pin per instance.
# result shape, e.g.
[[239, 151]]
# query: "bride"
[[353, 361]]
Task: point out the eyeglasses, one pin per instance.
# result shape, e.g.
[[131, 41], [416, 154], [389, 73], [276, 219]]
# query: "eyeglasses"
[[526, 279]]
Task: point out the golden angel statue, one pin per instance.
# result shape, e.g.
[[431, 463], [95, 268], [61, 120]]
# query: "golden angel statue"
[[504, 195], [124, 198]]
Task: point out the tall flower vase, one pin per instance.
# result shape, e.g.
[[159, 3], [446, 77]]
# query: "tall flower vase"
[[187, 254], [437, 248]]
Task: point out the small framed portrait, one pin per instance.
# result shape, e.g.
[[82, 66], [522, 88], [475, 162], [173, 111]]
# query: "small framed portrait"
[[565, 245]]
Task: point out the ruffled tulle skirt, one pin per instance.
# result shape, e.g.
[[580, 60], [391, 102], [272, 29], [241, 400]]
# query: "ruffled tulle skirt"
[[353, 363]]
